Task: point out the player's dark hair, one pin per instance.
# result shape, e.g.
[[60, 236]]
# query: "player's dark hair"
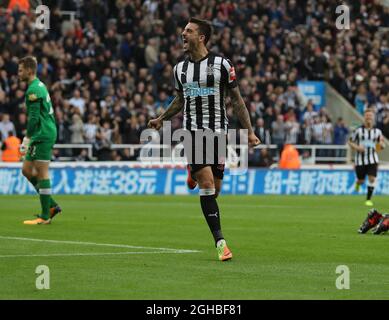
[[29, 62], [205, 28]]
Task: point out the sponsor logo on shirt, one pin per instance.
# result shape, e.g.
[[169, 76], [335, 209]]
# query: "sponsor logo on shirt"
[[192, 89]]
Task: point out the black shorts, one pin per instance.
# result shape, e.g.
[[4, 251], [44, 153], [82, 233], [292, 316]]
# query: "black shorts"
[[204, 153], [362, 171]]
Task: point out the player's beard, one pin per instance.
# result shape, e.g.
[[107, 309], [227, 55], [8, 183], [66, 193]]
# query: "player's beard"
[[192, 48]]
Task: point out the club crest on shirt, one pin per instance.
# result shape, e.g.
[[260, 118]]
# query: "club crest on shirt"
[[210, 70]]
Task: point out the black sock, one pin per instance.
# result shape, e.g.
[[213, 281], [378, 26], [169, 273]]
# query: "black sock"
[[370, 191], [211, 214]]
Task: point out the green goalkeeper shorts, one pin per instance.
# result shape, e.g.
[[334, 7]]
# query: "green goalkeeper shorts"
[[39, 151]]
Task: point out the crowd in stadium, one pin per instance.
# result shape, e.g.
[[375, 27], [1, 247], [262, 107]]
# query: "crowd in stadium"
[[110, 70]]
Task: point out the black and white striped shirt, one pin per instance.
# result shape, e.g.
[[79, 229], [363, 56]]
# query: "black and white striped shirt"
[[204, 84], [367, 138]]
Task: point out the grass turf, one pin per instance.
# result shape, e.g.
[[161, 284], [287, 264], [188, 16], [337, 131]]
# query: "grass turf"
[[284, 248]]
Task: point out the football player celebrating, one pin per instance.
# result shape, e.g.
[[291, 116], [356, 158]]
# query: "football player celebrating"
[[202, 82]]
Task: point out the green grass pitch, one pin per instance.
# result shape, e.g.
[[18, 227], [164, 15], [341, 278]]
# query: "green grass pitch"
[[114, 247]]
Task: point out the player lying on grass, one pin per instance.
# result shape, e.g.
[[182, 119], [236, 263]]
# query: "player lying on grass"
[[379, 222], [39, 140]]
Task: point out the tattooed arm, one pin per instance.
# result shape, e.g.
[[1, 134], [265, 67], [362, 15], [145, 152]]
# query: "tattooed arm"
[[175, 107], [243, 115]]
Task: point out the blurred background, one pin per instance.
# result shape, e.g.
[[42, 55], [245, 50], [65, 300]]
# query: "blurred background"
[[108, 66]]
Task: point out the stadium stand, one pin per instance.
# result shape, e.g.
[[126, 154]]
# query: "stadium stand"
[[109, 66]]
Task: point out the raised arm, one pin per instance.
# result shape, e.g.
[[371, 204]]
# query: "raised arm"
[[243, 115]]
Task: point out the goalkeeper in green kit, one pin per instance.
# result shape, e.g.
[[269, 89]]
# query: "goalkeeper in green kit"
[[38, 143]]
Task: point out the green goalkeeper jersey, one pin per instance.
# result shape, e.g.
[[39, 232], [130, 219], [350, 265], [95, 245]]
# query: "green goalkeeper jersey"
[[40, 114]]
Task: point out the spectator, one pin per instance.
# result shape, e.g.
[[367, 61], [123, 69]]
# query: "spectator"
[[76, 129], [309, 112], [292, 128], [269, 117], [327, 136], [128, 155], [77, 101], [131, 131], [63, 131], [128, 61], [327, 130], [289, 158], [151, 53], [83, 156], [115, 156], [10, 148], [291, 99], [361, 99], [56, 156], [6, 126], [317, 130], [253, 157], [340, 136], [306, 132], [257, 107], [103, 142], [3, 100], [306, 158], [105, 82], [90, 129], [261, 132], [316, 64], [265, 159], [278, 132], [380, 107], [373, 92]]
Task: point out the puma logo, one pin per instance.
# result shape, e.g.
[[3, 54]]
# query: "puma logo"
[[213, 215]]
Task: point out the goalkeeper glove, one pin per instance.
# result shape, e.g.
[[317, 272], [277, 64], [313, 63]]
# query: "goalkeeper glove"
[[24, 146]]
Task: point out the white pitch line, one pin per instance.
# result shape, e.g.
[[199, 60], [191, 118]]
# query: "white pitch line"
[[98, 244], [91, 254]]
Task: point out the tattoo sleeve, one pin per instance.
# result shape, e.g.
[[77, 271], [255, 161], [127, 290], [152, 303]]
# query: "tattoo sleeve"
[[240, 109], [174, 107]]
